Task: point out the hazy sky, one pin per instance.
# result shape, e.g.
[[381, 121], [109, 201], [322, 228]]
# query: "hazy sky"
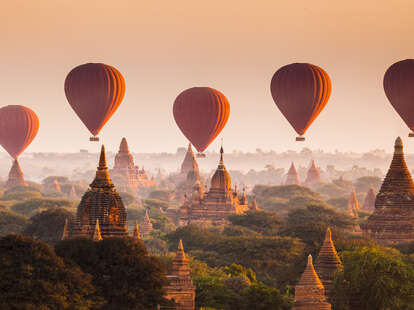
[[164, 47]]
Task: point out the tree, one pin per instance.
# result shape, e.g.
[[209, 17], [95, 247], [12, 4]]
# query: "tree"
[[21, 193], [125, 276], [33, 206], [264, 222], [262, 297], [11, 222], [33, 277], [48, 225], [374, 278]]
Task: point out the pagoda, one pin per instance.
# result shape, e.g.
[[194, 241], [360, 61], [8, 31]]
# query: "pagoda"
[[130, 175], [313, 176], [101, 212], [292, 177], [72, 193], [189, 162], [393, 217], [369, 202], [353, 204], [309, 292], [253, 206], [16, 177], [214, 206], [328, 262], [146, 226], [180, 287]]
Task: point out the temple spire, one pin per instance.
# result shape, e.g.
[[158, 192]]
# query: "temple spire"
[[254, 206], [136, 235], [16, 177], [123, 147], [292, 176], [102, 178], [328, 262], [221, 156], [353, 204], [309, 292], [97, 232], [369, 201], [180, 255], [313, 176]]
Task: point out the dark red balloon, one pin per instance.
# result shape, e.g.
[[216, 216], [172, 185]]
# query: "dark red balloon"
[[399, 88], [300, 91], [18, 127], [94, 91], [201, 113]]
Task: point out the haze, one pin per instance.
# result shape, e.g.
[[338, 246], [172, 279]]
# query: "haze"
[[164, 47]]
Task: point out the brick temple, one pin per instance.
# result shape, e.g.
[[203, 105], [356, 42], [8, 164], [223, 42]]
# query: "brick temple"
[[292, 177], [214, 206], [310, 292], [313, 176], [125, 171], [16, 177], [369, 201], [393, 217], [101, 212]]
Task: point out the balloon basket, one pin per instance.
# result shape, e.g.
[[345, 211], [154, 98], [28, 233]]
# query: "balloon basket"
[[94, 139], [411, 135], [201, 155], [300, 138]]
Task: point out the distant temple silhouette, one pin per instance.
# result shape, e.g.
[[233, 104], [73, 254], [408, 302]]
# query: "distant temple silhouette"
[[16, 177], [292, 177]]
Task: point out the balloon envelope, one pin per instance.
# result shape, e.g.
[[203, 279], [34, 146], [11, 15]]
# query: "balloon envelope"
[[18, 127], [300, 91], [94, 91], [201, 113], [399, 88]]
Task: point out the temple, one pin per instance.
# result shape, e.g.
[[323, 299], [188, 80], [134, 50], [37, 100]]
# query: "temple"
[[353, 204], [55, 186], [72, 193], [101, 212], [126, 173], [16, 177], [146, 226], [313, 177], [253, 206], [328, 262], [211, 207], [393, 217], [180, 287], [309, 292], [189, 162], [292, 176], [369, 202]]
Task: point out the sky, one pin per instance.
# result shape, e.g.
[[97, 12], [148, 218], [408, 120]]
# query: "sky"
[[165, 47]]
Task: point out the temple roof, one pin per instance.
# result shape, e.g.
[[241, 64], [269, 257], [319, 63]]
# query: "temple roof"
[[16, 177], [102, 179], [123, 147], [309, 292], [292, 176], [123, 159], [221, 179], [369, 201], [313, 175], [189, 162]]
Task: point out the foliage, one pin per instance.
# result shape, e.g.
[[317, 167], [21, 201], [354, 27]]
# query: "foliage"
[[21, 193], [264, 222], [362, 184], [127, 198], [163, 195], [32, 206], [156, 246], [125, 276], [48, 225], [33, 277], [11, 222], [374, 278]]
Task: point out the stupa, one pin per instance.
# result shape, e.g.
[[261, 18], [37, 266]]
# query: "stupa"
[[313, 176], [328, 262], [101, 208], [393, 217], [369, 202], [189, 162], [146, 226], [180, 287], [309, 292], [353, 204], [16, 177], [292, 176]]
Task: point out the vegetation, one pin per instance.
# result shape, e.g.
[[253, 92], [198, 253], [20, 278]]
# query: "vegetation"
[[33, 206], [11, 222]]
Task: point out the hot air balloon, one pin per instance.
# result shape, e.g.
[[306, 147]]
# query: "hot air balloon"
[[399, 88], [300, 91], [94, 91], [201, 113], [18, 127]]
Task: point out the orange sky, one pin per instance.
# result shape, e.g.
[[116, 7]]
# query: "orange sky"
[[164, 47]]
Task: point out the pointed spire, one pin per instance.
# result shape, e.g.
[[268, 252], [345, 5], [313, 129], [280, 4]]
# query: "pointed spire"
[[180, 255], [146, 225], [189, 162], [56, 186], [313, 175], [102, 178], [65, 233], [254, 206], [97, 232], [136, 235], [369, 201], [328, 262], [16, 177], [221, 156], [147, 218], [123, 147], [353, 204], [309, 292], [72, 193], [292, 176]]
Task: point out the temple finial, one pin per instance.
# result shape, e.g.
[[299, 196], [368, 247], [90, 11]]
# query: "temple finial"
[[102, 159], [97, 232]]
